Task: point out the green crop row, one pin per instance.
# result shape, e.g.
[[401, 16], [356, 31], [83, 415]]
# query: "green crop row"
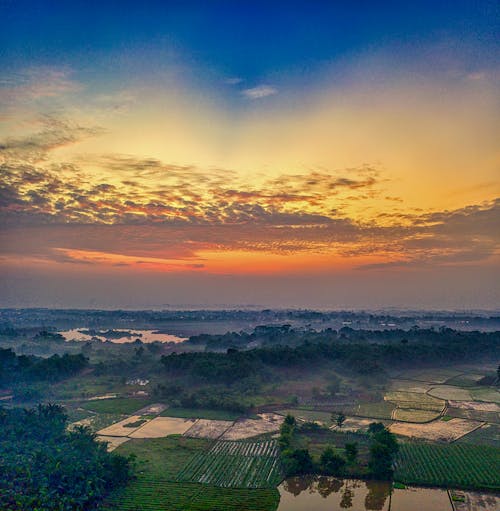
[[455, 465], [235, 465]]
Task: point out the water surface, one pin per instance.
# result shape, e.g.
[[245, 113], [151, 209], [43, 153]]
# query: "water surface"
[[319, 493], [114, 335]]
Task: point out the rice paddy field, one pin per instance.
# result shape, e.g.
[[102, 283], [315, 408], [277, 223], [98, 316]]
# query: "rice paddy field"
[[415, 401], [236, 465], [455, 465]]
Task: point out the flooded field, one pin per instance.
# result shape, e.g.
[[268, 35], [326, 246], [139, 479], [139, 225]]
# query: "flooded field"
[[119, 335], [329, 493]]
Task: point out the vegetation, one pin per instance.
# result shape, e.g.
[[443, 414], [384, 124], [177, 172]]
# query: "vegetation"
[[14, 368], [116, 405], [45, 467], [156, 488], [235, 465], [455, 465], [201, 413]]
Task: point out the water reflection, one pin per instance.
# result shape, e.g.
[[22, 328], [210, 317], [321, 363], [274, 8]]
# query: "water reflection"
[[320, 493], [119, 335]]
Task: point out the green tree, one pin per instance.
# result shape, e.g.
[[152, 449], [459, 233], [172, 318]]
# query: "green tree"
[[330, 463], [338, 418], [351, 451]]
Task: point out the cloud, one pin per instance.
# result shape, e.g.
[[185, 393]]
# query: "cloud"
[[261, 91], [233, 80]]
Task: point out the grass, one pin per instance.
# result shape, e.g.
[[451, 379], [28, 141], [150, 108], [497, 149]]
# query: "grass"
[[156, 489], [489, 434], [455, 465], [125, 405], [236, 465], [200, 413]]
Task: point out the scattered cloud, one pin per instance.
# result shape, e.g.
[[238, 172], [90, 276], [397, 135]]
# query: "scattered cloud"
[[259, 92]]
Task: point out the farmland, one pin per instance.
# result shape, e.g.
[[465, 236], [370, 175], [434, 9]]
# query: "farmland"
[[236, 465], [456, 465], [157, 486]]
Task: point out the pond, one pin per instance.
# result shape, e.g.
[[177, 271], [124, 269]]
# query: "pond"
[[320, 493], [118, 335]]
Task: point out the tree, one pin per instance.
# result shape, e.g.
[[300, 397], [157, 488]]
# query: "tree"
[[290, 420], [351, 451], [339, 419], [330, 463], [375, 427], [297, 462]]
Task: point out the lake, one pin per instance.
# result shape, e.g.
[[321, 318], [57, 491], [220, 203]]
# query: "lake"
[[118, 335], [320, 493]]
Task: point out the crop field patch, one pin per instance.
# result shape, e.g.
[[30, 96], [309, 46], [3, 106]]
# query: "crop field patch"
[[308, 415], [415, 401], [475, 415], [465, 380], [410, 415], [449, 392], [474, 405], [410, 386], [201, 413], [205, 428], [118, 405], [235, 465], [475, 501], [112, 441], [381, 410], [456, 465], [487, 394], [437, 375], [442, 431], [488, 434], [120, 428], [247, 428], [161, 427], [353, 424]]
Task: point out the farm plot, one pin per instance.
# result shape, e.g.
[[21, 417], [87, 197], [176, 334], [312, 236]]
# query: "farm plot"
[[410, 415], [437, 375], [456, 465], [410, 386], [122, 428], [308, 415], [488, 434], [118, 405], [353, 424], [474, 501], [442, 431], [235, 465], [204, 428], [161, 427], [112, 441], [415, 401], [449, 392], [478, 415], [487, 394], [247, 428]]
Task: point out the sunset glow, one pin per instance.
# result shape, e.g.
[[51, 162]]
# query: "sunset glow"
[[152, 152]]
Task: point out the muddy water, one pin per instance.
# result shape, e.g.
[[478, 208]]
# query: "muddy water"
[[144, 335], [316, 493]]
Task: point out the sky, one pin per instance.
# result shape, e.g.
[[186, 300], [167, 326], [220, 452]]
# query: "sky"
[[226, 154]]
